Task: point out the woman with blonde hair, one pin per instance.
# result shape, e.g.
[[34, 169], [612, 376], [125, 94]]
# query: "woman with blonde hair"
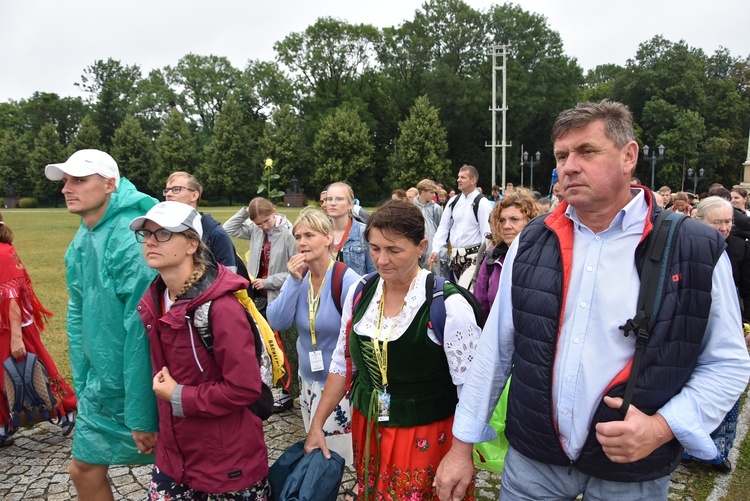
[[210, 444], [309, 300], [349, 244]]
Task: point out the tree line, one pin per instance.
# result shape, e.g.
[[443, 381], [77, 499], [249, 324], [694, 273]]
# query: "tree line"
[[378, 107]]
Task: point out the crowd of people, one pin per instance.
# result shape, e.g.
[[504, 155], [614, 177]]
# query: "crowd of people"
[[351, 294]]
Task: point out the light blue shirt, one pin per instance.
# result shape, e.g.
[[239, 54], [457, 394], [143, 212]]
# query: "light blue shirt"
[[291, 308], [602, 294]]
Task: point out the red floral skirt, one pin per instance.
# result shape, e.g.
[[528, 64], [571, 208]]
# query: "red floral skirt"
[[407, 461], [33, 341]]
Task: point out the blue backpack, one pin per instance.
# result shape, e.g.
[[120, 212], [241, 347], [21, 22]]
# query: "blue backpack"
[[30, 400], [435, 297]]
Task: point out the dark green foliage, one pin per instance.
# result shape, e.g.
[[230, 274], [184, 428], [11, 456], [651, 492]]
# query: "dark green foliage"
[[47, 150], [134, 153]]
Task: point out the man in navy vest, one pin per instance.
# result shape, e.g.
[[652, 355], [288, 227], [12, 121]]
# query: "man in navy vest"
[[569, 281]]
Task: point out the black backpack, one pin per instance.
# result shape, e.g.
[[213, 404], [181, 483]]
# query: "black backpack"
[[474, 206], [30, 400]]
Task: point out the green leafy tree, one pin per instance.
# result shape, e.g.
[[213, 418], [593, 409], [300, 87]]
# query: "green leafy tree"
[[454, 38], [600, 81], [227, 169], [283, 142], [681, 132], [662, 69], [262, 86], [420, 149], [14, 157], [88, 136], [330, 58], [343, 151], [205, 83], [175, 151], [154, 102], [42, 107], [134, 153], [47, 150], [11, 118], [112, 88]]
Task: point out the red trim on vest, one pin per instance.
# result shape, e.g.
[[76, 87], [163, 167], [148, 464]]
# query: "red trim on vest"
[[562, 226]]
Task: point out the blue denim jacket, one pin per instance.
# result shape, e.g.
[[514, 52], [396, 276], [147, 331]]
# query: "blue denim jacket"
[[356, 250]]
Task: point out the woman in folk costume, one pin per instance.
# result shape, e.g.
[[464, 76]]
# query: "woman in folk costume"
[[406, 382], [22, 319], [307, 300]]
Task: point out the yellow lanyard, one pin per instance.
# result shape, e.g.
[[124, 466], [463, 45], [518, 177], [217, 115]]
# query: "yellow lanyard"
[[313, 302], [381, 357]]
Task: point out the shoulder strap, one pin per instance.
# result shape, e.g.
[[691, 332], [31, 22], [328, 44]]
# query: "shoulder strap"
[[201, 319], [28, 380], [434, 287], [11, 370], [475, 205], [337, 283], [364, 285], [654, 272], [263, 406], [454, 202]]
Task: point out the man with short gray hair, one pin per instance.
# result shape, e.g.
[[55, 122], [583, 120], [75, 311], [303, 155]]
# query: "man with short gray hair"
[[557, 326]]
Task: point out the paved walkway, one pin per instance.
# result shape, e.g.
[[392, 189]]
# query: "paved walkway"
[[36, 467]]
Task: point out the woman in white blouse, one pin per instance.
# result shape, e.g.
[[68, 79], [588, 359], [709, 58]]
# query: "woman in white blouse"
[[406, 381]]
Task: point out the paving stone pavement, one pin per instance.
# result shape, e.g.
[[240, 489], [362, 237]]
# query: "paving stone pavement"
[[36, 466]]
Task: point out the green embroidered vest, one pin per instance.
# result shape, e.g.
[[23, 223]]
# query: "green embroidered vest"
[[419, 381]]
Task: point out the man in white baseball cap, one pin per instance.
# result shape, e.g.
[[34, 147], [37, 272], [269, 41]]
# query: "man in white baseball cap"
[[108, 348], [173, 216], [84, 163]]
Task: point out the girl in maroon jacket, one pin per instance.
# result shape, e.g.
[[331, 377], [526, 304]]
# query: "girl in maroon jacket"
[[209, 442]]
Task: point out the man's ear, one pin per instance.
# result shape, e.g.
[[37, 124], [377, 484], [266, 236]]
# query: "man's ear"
[[630, 157], [110, 186]]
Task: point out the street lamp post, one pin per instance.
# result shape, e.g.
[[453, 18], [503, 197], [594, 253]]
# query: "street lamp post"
[[530, 163], [696, 175], [653, 158]]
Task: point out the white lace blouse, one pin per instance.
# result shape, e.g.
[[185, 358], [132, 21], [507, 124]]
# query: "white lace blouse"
[[460, 337]]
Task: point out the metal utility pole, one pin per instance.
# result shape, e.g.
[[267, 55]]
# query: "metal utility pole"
[[498, 51]]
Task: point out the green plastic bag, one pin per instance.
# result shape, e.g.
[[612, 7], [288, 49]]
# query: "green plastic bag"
[[490, 455]]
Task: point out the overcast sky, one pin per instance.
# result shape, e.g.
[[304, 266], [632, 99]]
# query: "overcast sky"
[[46, 44]]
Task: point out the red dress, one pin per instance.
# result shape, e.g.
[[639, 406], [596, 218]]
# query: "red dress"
[[16, 284]]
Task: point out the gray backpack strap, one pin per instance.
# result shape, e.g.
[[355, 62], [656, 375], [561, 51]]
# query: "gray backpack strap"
[[654, 274]]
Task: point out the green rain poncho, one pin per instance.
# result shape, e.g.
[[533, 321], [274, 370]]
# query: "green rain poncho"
[[109, 350]]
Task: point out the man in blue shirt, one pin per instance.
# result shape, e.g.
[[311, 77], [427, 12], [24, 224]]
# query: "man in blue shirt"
[[569, 281]]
